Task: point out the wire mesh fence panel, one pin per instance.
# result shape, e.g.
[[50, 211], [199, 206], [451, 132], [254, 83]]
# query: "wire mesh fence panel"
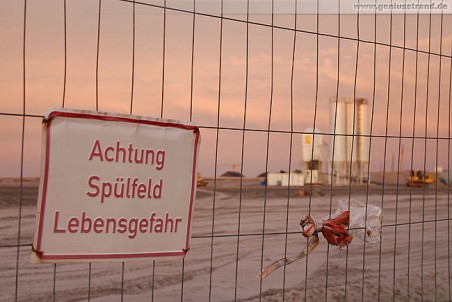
[[303, 107]]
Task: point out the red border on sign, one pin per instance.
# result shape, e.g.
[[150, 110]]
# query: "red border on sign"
[[55, 114]]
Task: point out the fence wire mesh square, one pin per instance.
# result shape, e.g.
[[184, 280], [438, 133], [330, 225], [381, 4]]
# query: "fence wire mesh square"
[[297, 112]]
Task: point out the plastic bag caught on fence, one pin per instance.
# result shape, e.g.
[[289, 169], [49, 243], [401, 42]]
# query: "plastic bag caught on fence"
[[362, 220], [365, 220]]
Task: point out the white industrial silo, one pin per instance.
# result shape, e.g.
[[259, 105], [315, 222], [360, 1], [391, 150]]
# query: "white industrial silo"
[[363, 127], [349, 128], [363, 130], [338, 128], [338, 139], [351, 150]]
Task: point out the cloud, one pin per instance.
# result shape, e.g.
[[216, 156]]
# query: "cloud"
[[287, 91]]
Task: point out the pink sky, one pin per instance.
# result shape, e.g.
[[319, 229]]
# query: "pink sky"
[[45, 74]]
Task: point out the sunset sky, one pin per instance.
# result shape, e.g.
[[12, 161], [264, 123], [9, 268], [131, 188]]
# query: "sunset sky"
[[161, 60]]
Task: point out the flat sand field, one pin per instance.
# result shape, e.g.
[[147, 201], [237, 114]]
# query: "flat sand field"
[[412, 262]]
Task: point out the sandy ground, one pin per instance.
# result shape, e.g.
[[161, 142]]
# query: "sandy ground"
[[412, 262]]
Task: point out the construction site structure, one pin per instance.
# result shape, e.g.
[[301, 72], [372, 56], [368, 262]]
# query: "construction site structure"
[[349, 140], [313, 155]]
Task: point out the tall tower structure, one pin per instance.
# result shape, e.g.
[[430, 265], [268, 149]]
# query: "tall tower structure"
[[349, 128], [313, 155], [363, 132]]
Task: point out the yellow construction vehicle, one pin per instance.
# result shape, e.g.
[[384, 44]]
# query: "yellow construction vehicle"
[[418, 179], [200, 181]]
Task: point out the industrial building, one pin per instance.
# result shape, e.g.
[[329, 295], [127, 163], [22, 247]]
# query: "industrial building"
[[349, 141], [294, 179], [315, 151], [343, 157]]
